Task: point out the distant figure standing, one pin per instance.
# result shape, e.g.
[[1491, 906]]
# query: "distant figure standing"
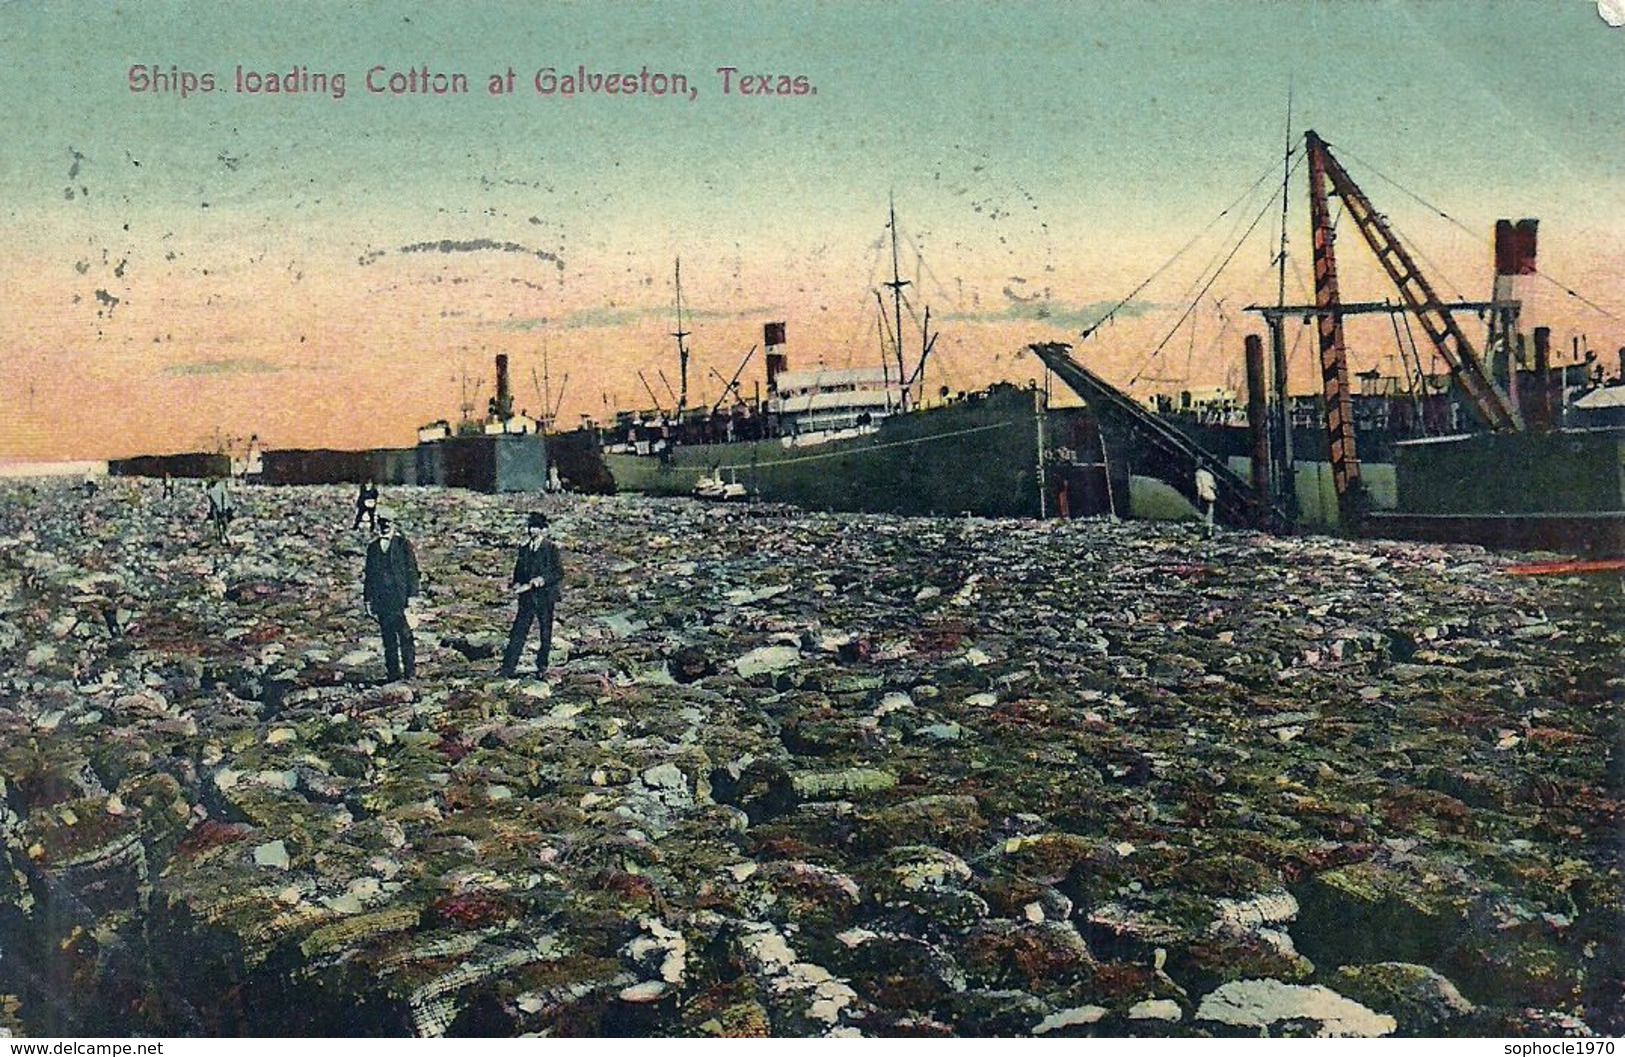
[[390, 579], [537, 576], [220, 508], [169, 486], [366, 507], [1207, 492]]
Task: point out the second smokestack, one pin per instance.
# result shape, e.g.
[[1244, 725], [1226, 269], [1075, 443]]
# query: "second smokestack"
[[504, 404]]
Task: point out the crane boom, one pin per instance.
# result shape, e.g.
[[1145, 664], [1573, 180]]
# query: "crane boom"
[[554, 412], [1487, 400], [731, 386], [647, 388], [1334, 364]]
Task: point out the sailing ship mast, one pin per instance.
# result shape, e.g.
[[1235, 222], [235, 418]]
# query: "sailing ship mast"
[[469, 391], [906, 379], [682, 349], [928, 341], [885, 367], [897, 283], [547, 388], [1283, 483]]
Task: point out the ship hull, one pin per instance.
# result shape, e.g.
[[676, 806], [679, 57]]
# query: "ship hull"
[[1554, 490], [1316, 494], [1595, 535], [1559, 490], [977, 456]]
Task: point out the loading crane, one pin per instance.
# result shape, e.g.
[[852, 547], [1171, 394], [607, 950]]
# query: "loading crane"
[[1482, 395], [1168, 453]]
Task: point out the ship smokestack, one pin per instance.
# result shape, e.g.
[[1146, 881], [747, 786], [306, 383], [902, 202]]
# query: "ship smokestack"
[[504, 404], [1515, 245], [777, 361]]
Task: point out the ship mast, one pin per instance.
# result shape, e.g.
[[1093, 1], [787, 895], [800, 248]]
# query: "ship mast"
[[1285, 484], [470, 389], [682, 349], [553, 414], [1286, 184], [880, 325], [547, 387], [897, 283], [928, 342]]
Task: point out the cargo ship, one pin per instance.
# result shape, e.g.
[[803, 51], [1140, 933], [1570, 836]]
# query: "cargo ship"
[[1509, 449], [976, 454], [842, 439], [503, 452], [1391, 416]]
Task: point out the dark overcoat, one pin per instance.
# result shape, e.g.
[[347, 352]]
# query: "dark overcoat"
[[541, 561], [391, 576]]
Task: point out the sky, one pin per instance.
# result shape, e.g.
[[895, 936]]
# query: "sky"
[[327, 272]]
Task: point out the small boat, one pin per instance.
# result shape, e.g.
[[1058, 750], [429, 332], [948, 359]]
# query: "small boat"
[[712, 486]]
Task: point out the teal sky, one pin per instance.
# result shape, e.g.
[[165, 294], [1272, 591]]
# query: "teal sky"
[[1044, 157], [1130, 111]]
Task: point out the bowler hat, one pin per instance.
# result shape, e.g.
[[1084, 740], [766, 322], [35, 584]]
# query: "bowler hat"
[[537, 519]]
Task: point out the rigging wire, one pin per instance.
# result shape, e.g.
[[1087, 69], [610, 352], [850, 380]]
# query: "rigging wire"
[[1413, 383], [1189, 292], [945, 364], [1411, 245], [1421, 394], [859, 337], [913, 310], [1224, 317], [1211, 280], [1433, 269], [1218, 339], [1446, 216], [1305, 295], [1089, 331], [1297, 342], [1190, 353], [1208, 273], [1416, 351], [921, 266], [1286, 199]]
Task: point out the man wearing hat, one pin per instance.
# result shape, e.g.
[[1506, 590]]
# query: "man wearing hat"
[[391, 578], [366, 506], [220, 512], [537, 574]]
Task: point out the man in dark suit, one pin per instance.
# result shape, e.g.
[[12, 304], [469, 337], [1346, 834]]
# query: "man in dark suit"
[[366, 506], [220, 511], [537, 574], [391, 579]]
